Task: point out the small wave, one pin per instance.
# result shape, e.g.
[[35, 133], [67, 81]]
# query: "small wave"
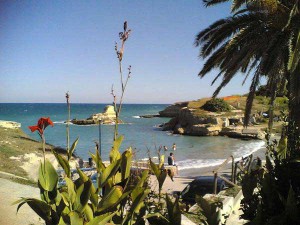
[[137, 117], [198, 163], [246, 150], [60, 122]]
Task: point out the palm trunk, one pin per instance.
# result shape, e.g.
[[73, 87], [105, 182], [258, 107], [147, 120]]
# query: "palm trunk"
[[294, 114]]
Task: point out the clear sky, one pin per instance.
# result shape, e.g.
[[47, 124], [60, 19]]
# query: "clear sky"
[[50, 47]]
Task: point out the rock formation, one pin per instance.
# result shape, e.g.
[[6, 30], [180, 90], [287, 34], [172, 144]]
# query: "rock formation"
[[108, 116], [188, 122], [173, 110]]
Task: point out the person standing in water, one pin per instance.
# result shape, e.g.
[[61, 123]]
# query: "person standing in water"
[[174, 147]]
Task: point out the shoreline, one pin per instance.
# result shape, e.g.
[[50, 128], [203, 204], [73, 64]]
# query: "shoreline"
[[30, 159]]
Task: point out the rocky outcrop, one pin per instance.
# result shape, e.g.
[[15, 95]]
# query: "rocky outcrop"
[[173, 110], [10, 124], [244, 133], [188, 122], [108, 116]]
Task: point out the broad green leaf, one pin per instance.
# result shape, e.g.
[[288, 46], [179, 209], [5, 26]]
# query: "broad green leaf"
[[155, 169], [101, 220], [143, 178], [72, 149], [75, 218], [109, 172], [117, 143], [162, 161], [98, 161], [126, 163], [82, 196], [41, 208], [173, 211], [114, 154], [71, 190], [162, 178], [63, 162], [138, 200], [82, 175], [66, 198], [88, 212], [110, 199], [48, 177], [61, 221]]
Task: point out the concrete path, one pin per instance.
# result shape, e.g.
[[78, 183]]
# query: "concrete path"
[[11, 192]]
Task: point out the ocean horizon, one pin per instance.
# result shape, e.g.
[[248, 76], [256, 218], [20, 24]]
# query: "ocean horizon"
[[143, 135]]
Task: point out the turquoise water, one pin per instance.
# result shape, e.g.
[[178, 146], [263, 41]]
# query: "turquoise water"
[[142, 134]]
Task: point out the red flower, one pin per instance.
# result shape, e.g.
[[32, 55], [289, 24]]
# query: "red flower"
[[41, 126]]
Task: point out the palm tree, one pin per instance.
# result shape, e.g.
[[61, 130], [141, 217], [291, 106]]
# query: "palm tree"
[[258, 40]]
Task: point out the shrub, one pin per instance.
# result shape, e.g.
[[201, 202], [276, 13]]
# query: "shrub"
[[216, 105]]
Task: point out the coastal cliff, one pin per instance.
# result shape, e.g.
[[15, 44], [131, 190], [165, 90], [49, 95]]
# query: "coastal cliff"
[[189, 118]]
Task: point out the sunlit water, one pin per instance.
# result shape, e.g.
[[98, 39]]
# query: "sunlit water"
[[192, 154]]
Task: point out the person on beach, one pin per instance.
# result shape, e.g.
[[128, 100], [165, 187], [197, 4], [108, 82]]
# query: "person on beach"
[[165, 148], [171, 159], [174, 147]]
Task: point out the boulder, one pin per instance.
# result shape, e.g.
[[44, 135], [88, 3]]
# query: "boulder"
[[205, 130]]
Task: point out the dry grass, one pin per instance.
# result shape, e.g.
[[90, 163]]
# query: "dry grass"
[[13, 143]]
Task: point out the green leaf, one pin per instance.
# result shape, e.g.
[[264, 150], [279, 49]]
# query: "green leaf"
[[155, 169], [162, 161], [39, 207], [159, 173], [162, 178], [126, 163], [82, 196], [98, 161], [75, 218], [143, 178], [88, 212], [82, 175], [138, 200], [173, 211], [63, 162], [72, 149], [114, 154], [48, 177], [101, 220], [110, 199], [71, 190], [109, 172]]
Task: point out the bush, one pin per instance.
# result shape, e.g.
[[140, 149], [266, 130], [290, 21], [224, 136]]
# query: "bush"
[[216, 105]]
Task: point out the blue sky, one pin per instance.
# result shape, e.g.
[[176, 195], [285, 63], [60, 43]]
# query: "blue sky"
[[51, 47]]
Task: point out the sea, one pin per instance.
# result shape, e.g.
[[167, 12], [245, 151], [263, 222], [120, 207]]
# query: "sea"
[[193, 154]]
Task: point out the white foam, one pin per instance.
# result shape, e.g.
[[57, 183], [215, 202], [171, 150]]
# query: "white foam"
[[241, 151], [247, 150], [137, 117], [198, 163], [60, 122]]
